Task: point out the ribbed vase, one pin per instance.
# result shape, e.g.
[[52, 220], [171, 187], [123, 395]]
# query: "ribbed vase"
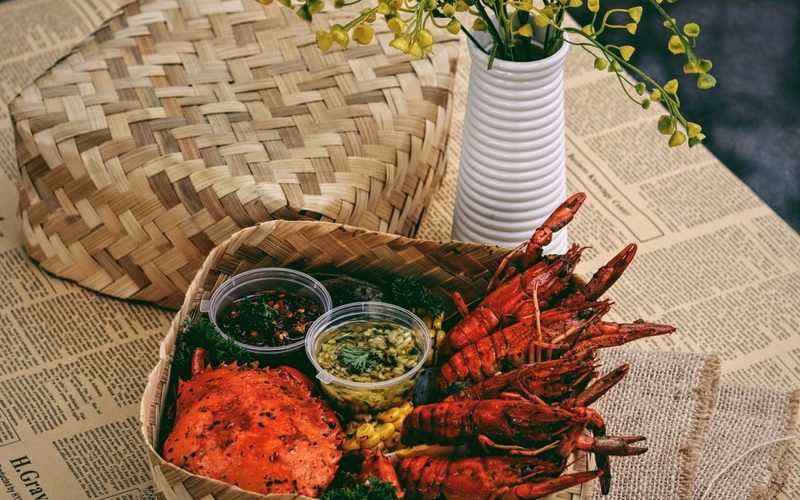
[[512, 171]]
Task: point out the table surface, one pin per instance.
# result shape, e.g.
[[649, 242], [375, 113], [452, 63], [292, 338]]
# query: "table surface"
[[714, 260]]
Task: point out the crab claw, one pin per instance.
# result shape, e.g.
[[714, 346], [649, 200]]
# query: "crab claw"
[[542, 488], [610, 273]]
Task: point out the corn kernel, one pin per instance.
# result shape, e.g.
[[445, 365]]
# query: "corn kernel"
[[371, 441], [393, 440], [384, 430], [390, 415], [365, 431], [351, 444], [406, 408]]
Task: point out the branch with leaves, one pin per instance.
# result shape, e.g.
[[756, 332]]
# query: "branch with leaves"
[[513, 26]]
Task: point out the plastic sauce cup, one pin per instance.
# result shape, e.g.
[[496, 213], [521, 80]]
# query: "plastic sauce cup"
[[367, 397], [261, 280]]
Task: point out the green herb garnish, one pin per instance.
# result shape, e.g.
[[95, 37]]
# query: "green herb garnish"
[[257, 315], [377, 490], [201, 333], [357, 361], [411, 294]]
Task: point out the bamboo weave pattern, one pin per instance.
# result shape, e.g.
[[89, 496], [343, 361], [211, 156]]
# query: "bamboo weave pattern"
[[181, 121]]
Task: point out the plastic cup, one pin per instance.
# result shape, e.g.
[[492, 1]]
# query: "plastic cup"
[[363, 397], [261, 280]]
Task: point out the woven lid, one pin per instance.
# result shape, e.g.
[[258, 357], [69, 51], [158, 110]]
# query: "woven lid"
[[177, 123]]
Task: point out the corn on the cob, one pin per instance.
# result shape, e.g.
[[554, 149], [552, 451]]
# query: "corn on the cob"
[[381, 431]]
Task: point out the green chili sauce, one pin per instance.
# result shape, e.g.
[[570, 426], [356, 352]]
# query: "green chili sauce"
[[369, 351]]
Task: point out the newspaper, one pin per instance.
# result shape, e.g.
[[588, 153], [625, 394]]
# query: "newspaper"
[[713, 260]]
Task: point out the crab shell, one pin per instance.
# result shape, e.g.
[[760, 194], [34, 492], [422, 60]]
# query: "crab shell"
[[259, 429]]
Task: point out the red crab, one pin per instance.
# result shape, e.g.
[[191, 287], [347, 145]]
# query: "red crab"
[[259, 429]]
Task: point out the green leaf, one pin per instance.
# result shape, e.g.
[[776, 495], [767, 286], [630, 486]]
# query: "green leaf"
[[357, 361]]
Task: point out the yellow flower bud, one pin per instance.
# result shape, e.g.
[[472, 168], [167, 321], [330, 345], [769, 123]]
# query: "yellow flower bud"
[[655, 95], [395, 25], [706, 81], [383, 8], [264, 2], [645, 103], [416, 50], [640, 88], [525, 31], [691, 30], [614, 67], [676, 139], [691, 68], [575, 3], [400, 43], [600, 63], [340, 36], [541, 20], [363, 33], [449, 10], [525, 5], [286, 3], [666, 124], [692, 129], [461, 6], [671, 86], [626, 51], [303, 13], [316, 6], [705, 65], [479, 24], [694, 141], [395, 4], [424, 38], [549, 11], [324, 40], [631, 27], [588, 30], [635, 13], [675, 45], [593, 5], [454, 27], [369, 13]]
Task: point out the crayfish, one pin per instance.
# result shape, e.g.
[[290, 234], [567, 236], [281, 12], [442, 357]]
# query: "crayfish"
[[521, 375]]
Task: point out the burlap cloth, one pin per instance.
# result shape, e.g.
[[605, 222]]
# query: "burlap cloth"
[[745, 428]]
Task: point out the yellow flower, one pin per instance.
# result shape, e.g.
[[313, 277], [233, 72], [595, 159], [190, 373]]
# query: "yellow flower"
[[461, 6], [324, 40], [626, 51], [666, 124], [395, 25], [454, 27], [676, 139], [706, 81], [631, 27], [588, 29], [449, 10], [635, 13], [383, 8], [400, 43], [692, 129], [525, 31], [363, 33], [655, 95], [340, 36], [315, 6], [575, 3], [691, 30], [691, 68], [593, 5], [424, 38], [369, 13], [416, 50], [478, 24], [675, 45], [600, 63], [671, 86], [525, 5]]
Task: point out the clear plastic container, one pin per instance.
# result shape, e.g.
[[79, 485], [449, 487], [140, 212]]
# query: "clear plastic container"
[[261, 280], [365, 397]]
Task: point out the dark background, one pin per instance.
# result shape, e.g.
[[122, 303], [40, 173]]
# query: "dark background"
[[752, 117]]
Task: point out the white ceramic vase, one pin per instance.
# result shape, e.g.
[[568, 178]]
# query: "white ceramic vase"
[[512, 172]]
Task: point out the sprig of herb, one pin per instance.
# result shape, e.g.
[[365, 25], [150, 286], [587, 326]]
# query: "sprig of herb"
[[357, 361], [201, 333], [257, 315], [376, 490]]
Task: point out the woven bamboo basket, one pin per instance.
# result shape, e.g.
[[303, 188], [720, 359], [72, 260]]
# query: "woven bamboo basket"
[[178, 123], [313, 247]]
